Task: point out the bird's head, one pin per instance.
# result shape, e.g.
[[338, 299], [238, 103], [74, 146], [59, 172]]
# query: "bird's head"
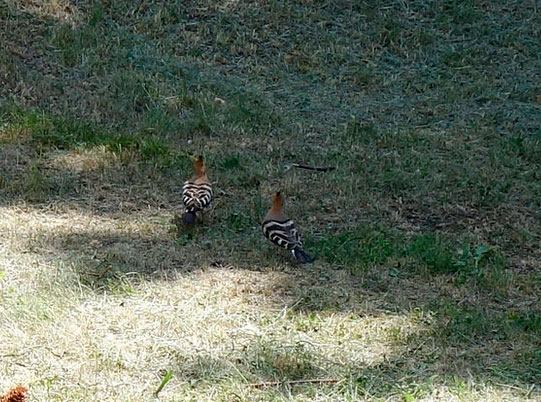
[[199, 166], [278, 201]]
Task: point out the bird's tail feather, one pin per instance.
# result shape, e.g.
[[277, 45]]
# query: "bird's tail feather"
[[188, 218], [301, 256]]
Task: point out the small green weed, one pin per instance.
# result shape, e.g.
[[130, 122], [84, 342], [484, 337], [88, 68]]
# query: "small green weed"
[[36, 183], [239, 222], [232, 162], [432, 252], [166, 378]]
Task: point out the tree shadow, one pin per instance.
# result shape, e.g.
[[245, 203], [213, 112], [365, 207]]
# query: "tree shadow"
[[467, 335], [416, 368]]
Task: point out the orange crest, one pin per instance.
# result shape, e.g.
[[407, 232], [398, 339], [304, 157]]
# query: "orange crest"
[[199, 166], [278, 202]]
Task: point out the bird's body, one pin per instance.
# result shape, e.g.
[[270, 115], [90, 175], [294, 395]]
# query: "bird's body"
[[281, 230], [196, 192]]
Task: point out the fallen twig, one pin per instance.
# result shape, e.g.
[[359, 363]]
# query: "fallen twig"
[[102, 275], [295, 382], [319, 169]]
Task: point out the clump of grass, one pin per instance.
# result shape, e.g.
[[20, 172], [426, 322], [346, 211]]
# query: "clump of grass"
[[366, 247], [358, 249], [62, 133], [432, 252], [37, 184]]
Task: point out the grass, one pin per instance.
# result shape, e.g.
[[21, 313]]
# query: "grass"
[[426, 234]]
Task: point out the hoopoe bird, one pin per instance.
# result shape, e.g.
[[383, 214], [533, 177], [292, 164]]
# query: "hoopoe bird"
[[196, 192], [281, 231], [17, 394]]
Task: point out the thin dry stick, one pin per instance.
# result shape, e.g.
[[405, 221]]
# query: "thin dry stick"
[[102, 275], [294, 382], [319, 169]]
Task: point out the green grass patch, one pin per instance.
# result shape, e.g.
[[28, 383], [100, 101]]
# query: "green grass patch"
[[367, 247], [356, 250], [62, 133], [431, 251]]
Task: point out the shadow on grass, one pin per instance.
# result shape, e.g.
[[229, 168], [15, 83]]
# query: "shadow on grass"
[[452, 334], [446, 356], [480, 326]]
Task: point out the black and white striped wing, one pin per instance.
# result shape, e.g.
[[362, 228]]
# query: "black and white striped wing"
[[196, 196], [283, 233]]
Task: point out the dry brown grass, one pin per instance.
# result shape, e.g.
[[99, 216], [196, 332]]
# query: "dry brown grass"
[[218, 329], [62, 10]]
